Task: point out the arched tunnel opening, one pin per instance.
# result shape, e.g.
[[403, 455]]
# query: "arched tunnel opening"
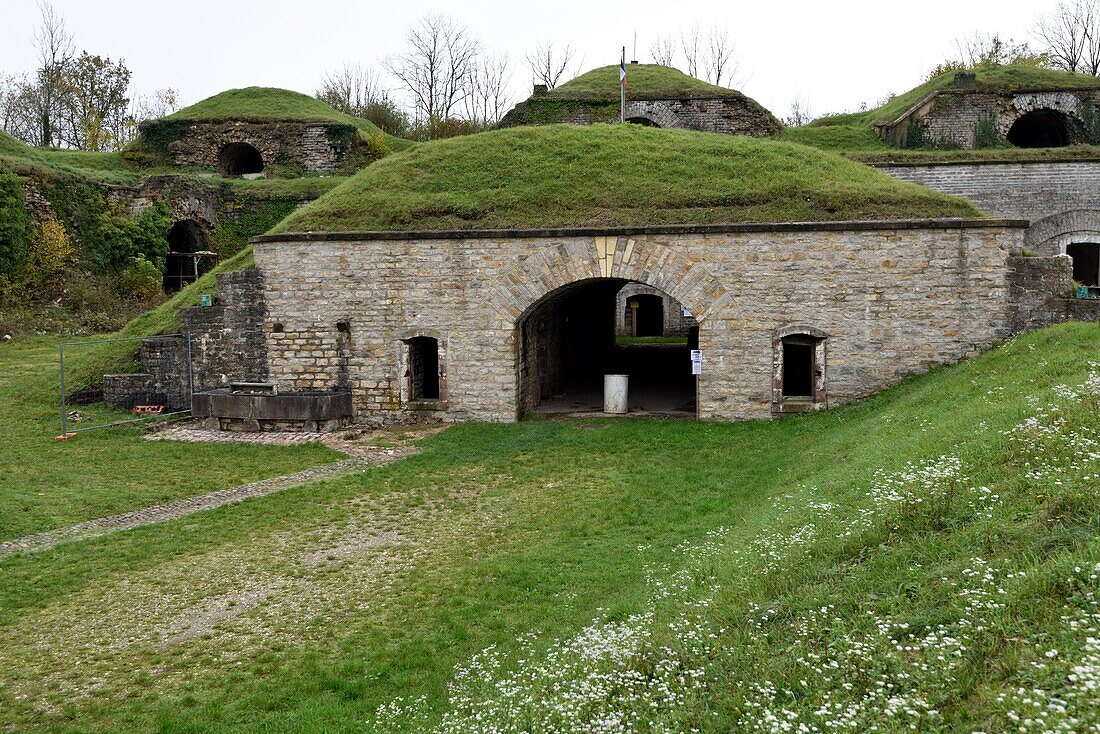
[[1040, 129], [187, 256], [239, 159], [1086, 262], [644, 121], [570, 339]]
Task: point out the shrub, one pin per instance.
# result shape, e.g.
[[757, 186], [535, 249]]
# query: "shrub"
[[986, 134], [377, 146], [15, 224], [1088, 125], [141, 280], [50, 253]]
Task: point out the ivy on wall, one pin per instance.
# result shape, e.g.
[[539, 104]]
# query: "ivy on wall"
[[15, 224]]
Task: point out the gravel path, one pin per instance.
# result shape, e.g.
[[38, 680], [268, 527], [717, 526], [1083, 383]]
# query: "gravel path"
[[363, 455]]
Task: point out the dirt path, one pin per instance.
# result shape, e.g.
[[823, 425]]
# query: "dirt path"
[[368, 449]]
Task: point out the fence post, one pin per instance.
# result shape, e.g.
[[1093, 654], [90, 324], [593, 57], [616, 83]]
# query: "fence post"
[[64, 413], [190, 376]]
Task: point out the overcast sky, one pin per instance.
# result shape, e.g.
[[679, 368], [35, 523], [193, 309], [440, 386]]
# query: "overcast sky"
[[833, 53]]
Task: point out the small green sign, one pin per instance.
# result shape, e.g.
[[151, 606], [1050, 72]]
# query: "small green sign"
[[206, 300]]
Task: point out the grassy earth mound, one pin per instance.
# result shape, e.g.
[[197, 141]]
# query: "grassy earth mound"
[[642, 80], [855, 132], [607, 175]]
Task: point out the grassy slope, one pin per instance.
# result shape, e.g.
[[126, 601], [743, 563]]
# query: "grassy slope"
[[268, 103], [323, 612], [642, 80], [855, 131], [568, 175], [47, 484]]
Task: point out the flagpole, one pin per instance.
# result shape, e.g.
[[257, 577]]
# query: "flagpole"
[[622, 91]]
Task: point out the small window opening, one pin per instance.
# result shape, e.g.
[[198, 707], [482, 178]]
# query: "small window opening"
[[343, 327], [798, 368], [423, 368], [1040, 129], [277, 329], [1086, 262], [239, 159]]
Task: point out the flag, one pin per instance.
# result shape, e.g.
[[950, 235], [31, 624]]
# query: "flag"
[[622, 70]]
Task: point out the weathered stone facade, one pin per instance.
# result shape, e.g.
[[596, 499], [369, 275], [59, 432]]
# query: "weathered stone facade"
[[954, 117], [888, 299], [313, 147], [1032, 190], [730, 114], [227, 338]]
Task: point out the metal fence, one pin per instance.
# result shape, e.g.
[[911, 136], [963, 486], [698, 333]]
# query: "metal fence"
[[143, 404]]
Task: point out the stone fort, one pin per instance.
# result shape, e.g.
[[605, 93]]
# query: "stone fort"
[[492, 325]]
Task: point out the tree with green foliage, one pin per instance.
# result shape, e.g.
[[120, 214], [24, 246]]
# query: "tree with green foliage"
[[15, 224], [95, 103]]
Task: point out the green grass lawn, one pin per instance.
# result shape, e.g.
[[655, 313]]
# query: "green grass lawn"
[[46, 484], [572, 175], [906, 562]]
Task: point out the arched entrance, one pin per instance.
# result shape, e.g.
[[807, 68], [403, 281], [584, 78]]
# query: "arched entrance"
[[187, 256], [239, 159], [567, 343], [1086, 262], [644, 121], [645, 315], [1043, 128]]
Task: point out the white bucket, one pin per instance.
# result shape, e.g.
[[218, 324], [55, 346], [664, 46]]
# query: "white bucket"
[[614, 393]]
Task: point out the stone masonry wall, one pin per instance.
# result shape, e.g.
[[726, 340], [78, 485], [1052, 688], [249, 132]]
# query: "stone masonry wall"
[[1041, 294], [1017, 190], [892, 300], [951, 117], [312, 147], [227, 339]]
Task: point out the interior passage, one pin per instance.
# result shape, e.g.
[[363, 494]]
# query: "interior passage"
[[1040, 129], [239, 159], [1086, 262], [185, 260], [568, 342]]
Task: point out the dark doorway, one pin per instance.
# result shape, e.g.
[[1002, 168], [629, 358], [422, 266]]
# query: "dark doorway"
[[186, 257], [644, 121], [1040, 129], [798, 367], [239, 159], [423, 368], [1086, 262], [645, 315], [568, 343]]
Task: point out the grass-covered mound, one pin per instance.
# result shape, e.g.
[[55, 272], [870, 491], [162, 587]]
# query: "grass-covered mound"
[[925, 560], [607, 175], [642, 81], [855, 131], [250, 104]]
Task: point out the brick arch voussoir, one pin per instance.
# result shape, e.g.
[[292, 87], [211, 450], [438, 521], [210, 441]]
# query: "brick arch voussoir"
[[653, 264], [1052, 235]]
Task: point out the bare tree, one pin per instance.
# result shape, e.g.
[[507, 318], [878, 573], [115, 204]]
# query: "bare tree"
[[1071, 36], [690, 45], [436, 68], [719, 58], [800, 112], [663, 50], [488, 99], [55, 52], [549, 63], [352, 89]]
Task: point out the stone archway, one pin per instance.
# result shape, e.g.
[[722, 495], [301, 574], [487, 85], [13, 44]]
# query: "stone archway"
[[565, 268], [1053, 235], [239, 159], [1041, 128], [187, 257], [651, 113]]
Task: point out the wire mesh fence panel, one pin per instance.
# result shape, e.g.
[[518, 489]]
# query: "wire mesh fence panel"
[[162, 389]]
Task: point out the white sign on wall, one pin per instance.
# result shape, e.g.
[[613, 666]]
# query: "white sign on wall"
[[697, 361]]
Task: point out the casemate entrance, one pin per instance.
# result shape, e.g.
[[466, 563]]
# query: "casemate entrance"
[[577, 334]]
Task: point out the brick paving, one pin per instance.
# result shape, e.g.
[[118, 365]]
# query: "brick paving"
[[363, 454]]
